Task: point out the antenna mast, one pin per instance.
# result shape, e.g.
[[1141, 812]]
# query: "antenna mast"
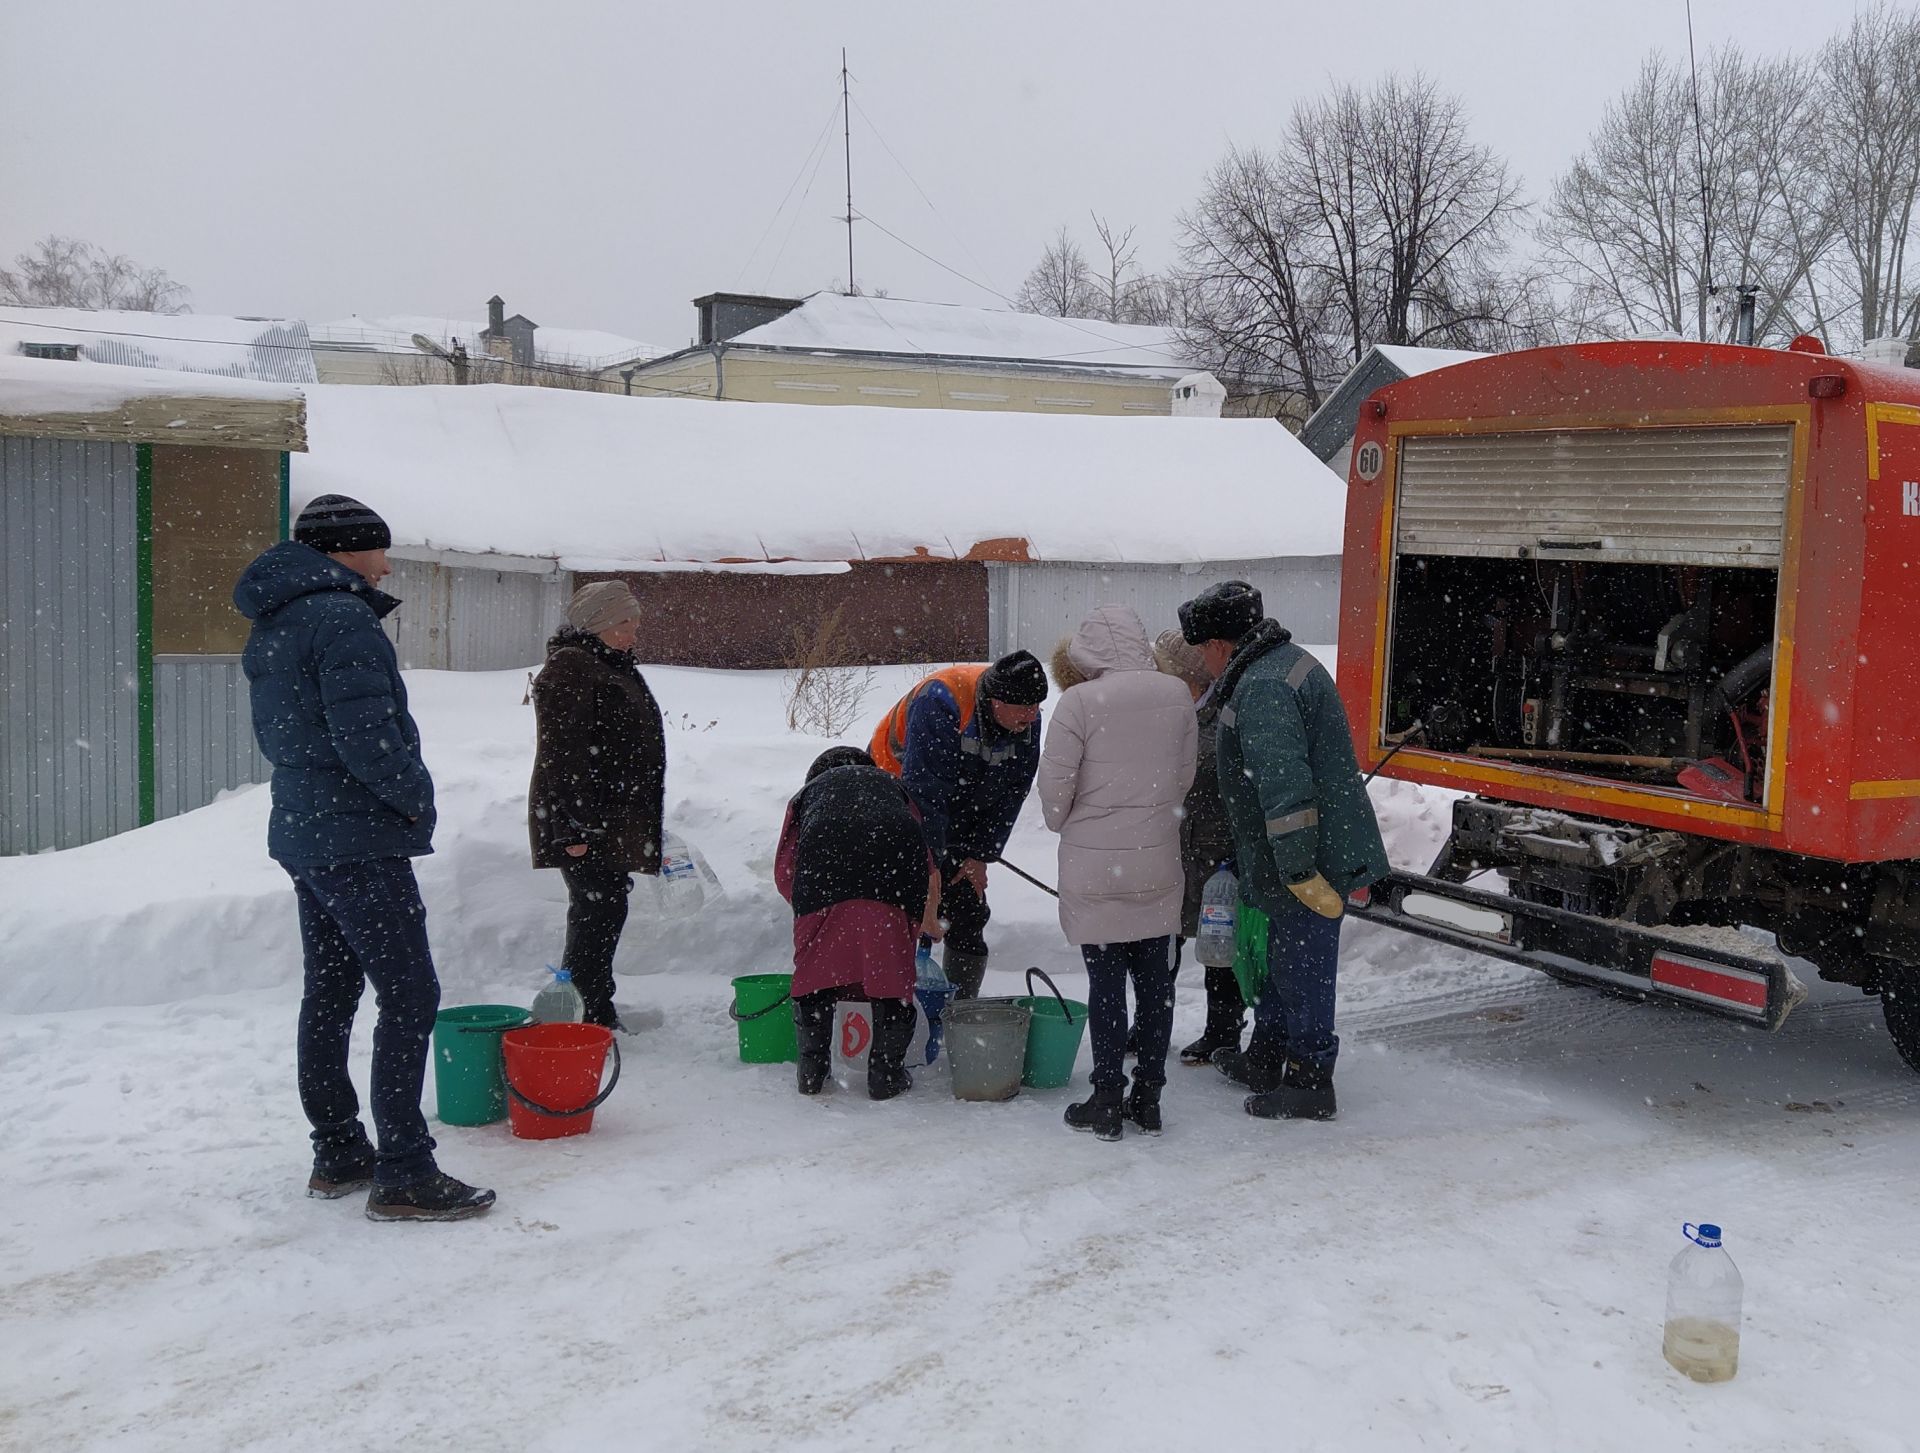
[[1700, 167], [846, 141]]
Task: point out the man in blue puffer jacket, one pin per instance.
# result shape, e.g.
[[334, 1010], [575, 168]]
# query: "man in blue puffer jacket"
[[352, 804]]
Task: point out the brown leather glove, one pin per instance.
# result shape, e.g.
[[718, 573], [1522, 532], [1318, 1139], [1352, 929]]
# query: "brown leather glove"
[[1317, 893]]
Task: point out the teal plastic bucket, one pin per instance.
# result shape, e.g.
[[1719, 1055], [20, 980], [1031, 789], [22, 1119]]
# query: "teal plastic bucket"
[[469, 1083], [1054, 1032]]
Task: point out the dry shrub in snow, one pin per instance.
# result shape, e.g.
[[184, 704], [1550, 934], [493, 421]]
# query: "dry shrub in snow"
[[826, 678]]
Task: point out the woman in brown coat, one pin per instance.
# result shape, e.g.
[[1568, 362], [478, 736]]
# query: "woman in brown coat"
[[598, 794]]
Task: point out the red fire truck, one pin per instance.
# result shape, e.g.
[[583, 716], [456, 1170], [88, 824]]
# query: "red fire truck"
[[1654, 608]]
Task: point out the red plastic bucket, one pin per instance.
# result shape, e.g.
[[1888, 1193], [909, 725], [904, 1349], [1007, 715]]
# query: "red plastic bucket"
[[553, 1077]]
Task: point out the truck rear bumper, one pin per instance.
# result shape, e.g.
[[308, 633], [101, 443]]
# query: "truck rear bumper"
[[1703, 969]]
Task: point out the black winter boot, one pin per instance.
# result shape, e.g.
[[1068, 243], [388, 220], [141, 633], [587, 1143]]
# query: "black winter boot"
[[438, 1197], [893, 1021], [1226, 1016], [1247, 1067], [813, 1034], [1143, 1106], [965, 971], [1305, 1093], [1101, 1113], [334, 1182]]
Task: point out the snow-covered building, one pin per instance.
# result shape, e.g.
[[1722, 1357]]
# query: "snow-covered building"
[[130, 500], [267, 350], [1329, 432], [890, 352], [942, 535], [408, 349]]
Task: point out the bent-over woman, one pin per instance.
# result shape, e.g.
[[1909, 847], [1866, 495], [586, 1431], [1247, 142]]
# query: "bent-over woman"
[[854, 863]]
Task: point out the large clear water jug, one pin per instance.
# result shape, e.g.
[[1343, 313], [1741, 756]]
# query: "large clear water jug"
[[560, 1001], [1219, 905], [1703, 1307]]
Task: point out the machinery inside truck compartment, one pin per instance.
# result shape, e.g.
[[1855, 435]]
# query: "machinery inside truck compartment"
[[1602, 602], [1652, 674]]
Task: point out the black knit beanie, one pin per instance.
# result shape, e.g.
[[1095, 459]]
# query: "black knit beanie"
[[1223, 612], [1017, 679], [336, 525], [835, 757]]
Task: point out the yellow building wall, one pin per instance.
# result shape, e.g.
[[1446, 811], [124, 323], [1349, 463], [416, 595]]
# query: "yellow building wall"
[[797, 379]]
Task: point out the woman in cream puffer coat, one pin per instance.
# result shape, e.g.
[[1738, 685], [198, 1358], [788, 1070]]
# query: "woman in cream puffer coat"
[[1118, 760]]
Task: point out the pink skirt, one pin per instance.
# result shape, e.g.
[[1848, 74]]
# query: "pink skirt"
[[859, 943]]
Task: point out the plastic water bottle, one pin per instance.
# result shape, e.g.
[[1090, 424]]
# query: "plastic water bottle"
[[927, 973], [1703, 1308], [1219, 907], [934, 991], [559, 1002]]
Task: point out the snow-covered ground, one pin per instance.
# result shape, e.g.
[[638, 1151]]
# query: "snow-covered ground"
[[1472, 1257]]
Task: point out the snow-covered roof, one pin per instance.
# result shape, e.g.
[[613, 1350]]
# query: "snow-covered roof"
[[1331, 427], [836, 323], [1412, 361], [76, 399], [600, 481], [272, 350], [570, 347]]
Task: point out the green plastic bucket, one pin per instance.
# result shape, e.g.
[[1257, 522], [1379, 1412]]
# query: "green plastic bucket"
[[1053, 1035], [761, 1014], [468, 1081]]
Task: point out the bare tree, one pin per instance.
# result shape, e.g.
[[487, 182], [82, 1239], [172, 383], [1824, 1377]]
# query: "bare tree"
[[1376, 219], [1123, 292], [1258, 302], [1409, 208], [1061, 284], [66, 272], [1870, 117], [1444, 207], [1670, 212]]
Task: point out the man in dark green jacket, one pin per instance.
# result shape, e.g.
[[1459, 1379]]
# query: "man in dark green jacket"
[[1304, 832]]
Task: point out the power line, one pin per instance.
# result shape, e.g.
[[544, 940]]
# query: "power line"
[[975, 282], [1108, 341], [774, 221], [800, 209], [907, 172]]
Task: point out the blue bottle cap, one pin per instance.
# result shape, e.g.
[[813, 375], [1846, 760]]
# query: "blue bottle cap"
[[565, 976], [1705, 1234]]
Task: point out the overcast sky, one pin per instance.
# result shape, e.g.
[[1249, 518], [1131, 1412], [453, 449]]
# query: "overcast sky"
[[600, 165]]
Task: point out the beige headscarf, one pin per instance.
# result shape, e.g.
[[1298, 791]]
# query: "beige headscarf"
[[1176, 657], [602, 606]]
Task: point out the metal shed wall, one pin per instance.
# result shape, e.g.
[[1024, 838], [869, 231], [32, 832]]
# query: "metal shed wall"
[[202, 730], [1035, 605], [469, 618], [69, 674]]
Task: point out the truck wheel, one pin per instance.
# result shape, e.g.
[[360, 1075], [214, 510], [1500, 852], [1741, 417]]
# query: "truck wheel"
[[1900, 1003]]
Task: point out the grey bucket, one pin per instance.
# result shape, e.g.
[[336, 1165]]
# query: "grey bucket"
[[986, 1047]]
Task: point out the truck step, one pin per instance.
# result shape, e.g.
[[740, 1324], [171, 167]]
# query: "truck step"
[[1719, 970]]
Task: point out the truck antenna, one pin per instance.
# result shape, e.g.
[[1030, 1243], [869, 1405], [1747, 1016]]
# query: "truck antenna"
[[1700, 168]]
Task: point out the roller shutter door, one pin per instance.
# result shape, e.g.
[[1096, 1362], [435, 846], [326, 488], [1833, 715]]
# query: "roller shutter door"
[[1707, 496]]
